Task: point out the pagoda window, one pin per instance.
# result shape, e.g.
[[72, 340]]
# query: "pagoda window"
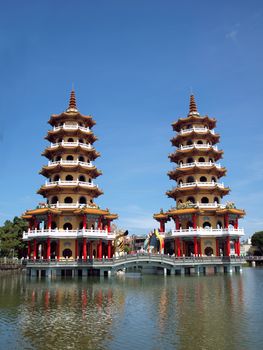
[[189, 224], [67, 253], [90, 180], [209, 251], [189, 142], [204, 200], [189, 126], [211, 160], [216, 200], [82, 200], [70, 139], [56, 178], [81, 159], [214, 179], [181, 162], [69, 157], [82, 178], [59, 140], [58, 158], [206, 224], [190, 179], [54, 200], [180, 182], [199, 142], [203, 179], [201, 160], [81, 225], [191, 199], [68, 200], [53, 225], [80, 124], [91, 201], [219, 224], [69, 178], [81, 140], [190, 160], [67, 226]]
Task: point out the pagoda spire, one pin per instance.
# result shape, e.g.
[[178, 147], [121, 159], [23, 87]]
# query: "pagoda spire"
[[72, 107], [192, 105]]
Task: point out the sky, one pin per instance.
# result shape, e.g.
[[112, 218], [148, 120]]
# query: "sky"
[[133, 64]]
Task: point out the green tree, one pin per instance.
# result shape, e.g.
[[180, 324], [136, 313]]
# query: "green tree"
[[257, 241], [11, 233]]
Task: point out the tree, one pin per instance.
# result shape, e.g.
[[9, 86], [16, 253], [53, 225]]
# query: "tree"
[[257, 241], [11, 233]]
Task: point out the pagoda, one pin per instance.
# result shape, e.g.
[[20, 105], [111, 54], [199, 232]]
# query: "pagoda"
[[69, 225], [204, 226]]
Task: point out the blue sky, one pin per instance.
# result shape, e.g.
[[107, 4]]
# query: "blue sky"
[[133, 64]]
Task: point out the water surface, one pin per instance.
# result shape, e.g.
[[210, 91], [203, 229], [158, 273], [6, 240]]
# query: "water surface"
[[152, 312]]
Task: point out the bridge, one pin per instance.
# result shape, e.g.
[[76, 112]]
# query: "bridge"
[[166, 264]]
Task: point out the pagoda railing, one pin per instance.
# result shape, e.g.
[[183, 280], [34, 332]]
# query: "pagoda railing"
[[69, 205], [204, 130], [71, 127], [57, 233], [199, 146], [71, 162], [200, 164], [71, 144], [70, 183], [207, 205], [199, 231], [201, 184]]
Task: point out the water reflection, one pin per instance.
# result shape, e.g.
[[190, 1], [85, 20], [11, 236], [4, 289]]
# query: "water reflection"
[[153, 312]]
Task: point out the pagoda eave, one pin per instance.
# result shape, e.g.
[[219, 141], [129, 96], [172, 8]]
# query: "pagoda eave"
[[234, 211], [50, 152], [174, 174], [47, 171], [54, 118], [39, 211], [194, 118], [94, 191]]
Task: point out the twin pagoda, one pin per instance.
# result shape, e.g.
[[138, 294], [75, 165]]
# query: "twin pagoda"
[[69, 225], [203, 225]]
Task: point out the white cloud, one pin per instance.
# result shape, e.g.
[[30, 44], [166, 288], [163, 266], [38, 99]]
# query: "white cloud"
[[232, 34]]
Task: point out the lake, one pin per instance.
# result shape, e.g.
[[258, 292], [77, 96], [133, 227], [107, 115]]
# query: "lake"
[[151, 312]]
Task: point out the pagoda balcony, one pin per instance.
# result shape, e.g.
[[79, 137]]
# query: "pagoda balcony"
[[214, 205], [70, 162], [59, 205], [201, 184], [74, 234], [195, 129], [70, 183], [208, 232], [71, 144], [198, 146], [200, 164], [71, 127]]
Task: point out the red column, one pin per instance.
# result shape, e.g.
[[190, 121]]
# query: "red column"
[[108, 226], [49, 221], [35, 249], [76, 248], [84, 248], [217, 247], [162, 226], [48, 248], [84, 221], [238, 247], [177, 223], [109, 249], [100, 249], [178, 244], [35, 223], [91, 250], [100, 223], [227, 246], [236, 223], [28, 249], [174, 246], [227, 220], [195, 246], [58, 249], [194, 219]]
